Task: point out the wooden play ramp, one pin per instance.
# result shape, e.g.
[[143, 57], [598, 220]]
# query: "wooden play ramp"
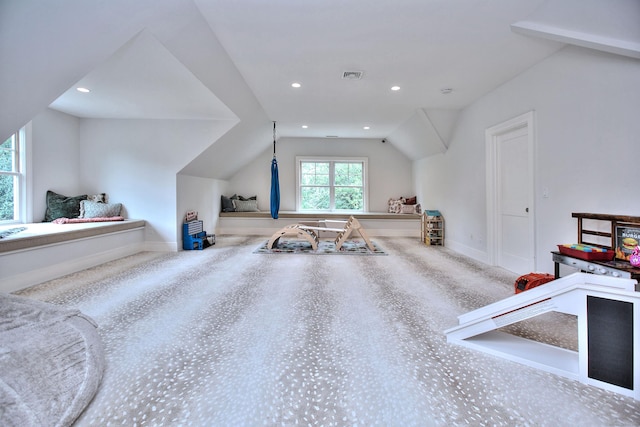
[[606, 308]]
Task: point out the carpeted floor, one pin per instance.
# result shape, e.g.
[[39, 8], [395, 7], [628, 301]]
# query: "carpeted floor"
[[227, 337]]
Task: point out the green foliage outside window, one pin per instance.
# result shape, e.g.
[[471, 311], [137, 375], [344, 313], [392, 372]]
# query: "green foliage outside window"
[[315, 173], [349, 198], [315, 198], [348, 174], [317, 185], [7, 182]]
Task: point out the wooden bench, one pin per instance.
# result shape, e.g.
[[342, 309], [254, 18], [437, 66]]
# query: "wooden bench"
[[310, 231]]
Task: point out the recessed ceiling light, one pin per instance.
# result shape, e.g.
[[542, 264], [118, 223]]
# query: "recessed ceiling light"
[[395, 87], [366, 128], [83, 90], [304, 126], [296, 85]]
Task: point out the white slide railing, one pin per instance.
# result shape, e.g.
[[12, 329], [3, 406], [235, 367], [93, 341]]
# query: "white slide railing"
[[606, 308]]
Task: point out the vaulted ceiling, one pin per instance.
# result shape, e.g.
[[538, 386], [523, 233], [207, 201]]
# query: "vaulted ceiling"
[[442, 55]]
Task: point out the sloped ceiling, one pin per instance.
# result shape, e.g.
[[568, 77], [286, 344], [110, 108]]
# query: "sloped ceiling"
[[236, 60], [418, 137], [143, 80], [421, 46], [611, 26]]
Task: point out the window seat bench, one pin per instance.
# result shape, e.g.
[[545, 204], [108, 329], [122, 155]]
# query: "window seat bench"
[[321, 215], [44, 251], [261, 223], [46, 233]]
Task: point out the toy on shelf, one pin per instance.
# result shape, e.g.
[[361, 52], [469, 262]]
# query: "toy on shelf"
[[634, 259], [432, 228]]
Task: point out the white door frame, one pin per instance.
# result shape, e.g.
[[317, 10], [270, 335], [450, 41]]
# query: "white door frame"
[[494, 224]]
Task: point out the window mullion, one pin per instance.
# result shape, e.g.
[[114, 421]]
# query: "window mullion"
[[13, 181], [332, 183]]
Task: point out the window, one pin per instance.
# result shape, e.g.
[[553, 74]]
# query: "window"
[[12, 178], [328, 184]]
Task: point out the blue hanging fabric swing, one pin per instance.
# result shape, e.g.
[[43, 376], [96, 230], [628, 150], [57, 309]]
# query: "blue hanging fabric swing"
[[275, 182]]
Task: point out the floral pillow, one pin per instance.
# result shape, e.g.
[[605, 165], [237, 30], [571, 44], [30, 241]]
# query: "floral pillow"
[[395, 205]]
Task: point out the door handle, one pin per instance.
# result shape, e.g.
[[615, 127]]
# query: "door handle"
[[526, 209]]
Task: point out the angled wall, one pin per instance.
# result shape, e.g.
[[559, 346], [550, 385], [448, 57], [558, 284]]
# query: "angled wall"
[[587, 131]]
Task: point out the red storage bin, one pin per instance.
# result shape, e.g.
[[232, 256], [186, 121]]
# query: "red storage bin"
[[587, 252]]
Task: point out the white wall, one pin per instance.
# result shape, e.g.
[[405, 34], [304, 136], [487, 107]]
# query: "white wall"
[[136, 163], [390, 171], [201, 195], [586, 105], [48, 52], [55, 158]]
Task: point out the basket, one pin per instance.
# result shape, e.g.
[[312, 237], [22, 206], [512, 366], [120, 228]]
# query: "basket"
[[587, 252]]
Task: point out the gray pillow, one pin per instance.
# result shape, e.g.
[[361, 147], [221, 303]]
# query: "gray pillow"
[[227, 203], [89, 209], [246, 205]]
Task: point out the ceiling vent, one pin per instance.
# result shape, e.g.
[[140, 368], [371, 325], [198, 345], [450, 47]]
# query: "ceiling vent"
[[352, 75]]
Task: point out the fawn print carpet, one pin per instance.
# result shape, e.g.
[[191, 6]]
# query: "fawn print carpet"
[[228, 337]]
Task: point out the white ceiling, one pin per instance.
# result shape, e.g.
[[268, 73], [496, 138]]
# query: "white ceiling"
[[421, 45], [142, 80]]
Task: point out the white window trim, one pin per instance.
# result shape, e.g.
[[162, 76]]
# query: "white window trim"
[[22, 209], [26, 189], [363, 160]]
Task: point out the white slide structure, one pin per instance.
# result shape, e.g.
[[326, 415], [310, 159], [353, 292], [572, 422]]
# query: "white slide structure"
[[608, 343]]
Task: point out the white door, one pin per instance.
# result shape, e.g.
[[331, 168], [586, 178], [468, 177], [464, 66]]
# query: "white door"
[[515, 246], [510, 233]]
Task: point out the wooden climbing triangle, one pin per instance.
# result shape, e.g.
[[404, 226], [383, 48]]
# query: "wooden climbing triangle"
[[310, 231]]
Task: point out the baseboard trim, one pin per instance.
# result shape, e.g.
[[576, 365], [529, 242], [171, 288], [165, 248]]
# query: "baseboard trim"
[[33, 277], [476, 254], [161, 246]]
